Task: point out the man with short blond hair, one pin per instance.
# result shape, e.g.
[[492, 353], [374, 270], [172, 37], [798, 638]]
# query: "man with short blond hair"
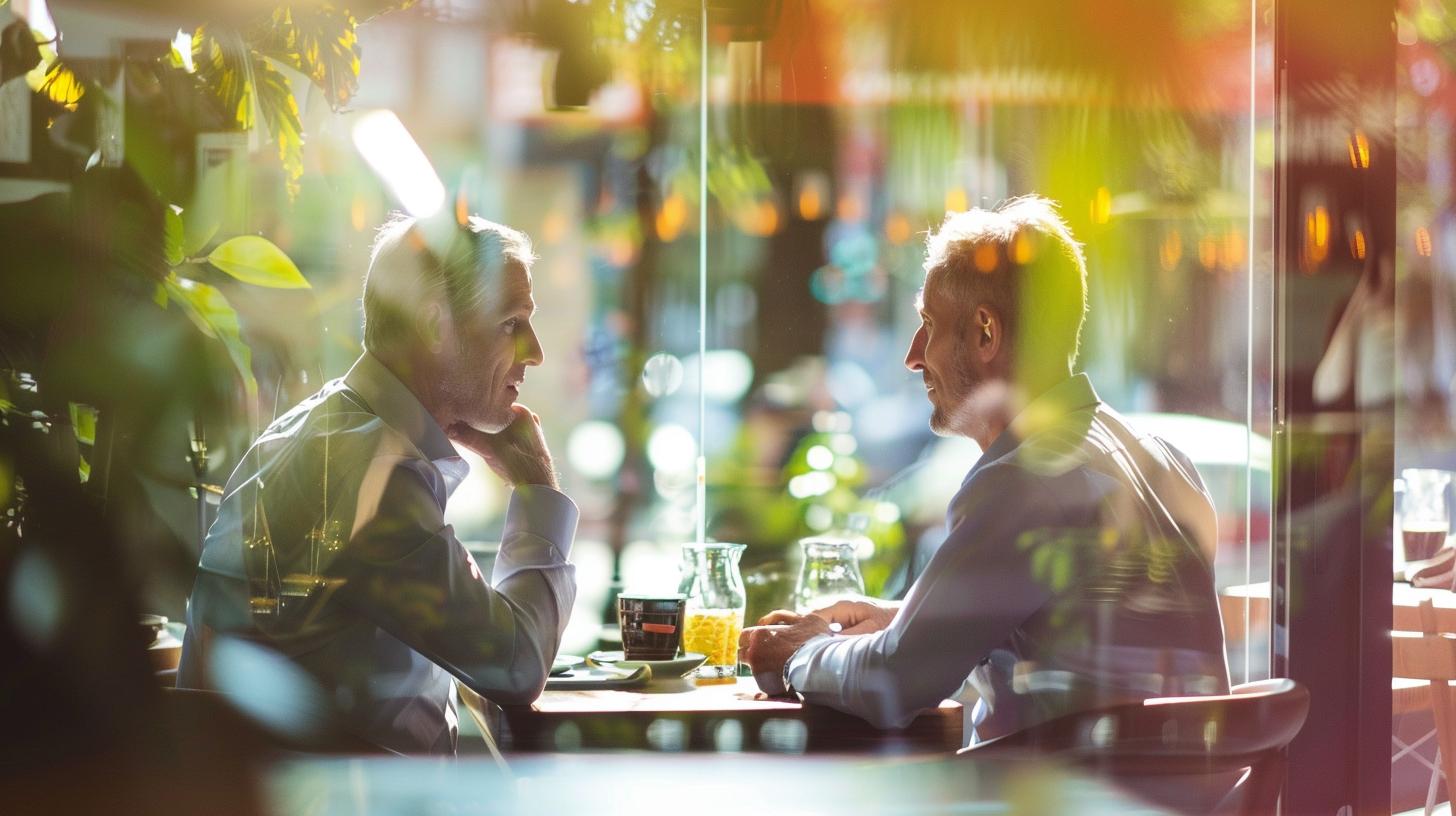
[[1077, 572]]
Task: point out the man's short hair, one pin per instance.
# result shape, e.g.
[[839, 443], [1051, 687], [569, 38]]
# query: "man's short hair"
[[1021, 259], [405, 272]]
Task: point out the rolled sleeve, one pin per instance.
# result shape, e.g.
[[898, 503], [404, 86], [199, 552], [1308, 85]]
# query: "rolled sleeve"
[[539, 530], [796, 671]]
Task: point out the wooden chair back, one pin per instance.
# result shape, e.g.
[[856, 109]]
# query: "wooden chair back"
[[1430, 655]]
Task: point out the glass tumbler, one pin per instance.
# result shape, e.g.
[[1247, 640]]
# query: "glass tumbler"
[[1425, 518], [830, 572]]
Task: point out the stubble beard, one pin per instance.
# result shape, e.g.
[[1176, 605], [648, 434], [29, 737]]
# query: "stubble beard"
[[483, 408], [952, 415]]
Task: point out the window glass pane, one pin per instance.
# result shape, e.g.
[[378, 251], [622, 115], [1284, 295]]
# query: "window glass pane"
[[1425, 445], [849, 131]]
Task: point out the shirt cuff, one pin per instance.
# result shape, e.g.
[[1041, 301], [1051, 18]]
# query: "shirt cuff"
[[544, 513], [796, 670]]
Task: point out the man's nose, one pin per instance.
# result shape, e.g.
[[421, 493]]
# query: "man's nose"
[[915, 357], [528, 349]]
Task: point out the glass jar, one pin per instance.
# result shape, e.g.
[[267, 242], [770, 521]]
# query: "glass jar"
[[830, 572], [1425, 519], [715, 607]]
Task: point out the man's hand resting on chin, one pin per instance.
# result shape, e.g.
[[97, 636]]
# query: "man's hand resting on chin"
[[517, 454]]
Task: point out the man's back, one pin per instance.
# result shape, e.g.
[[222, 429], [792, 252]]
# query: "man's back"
[[1075, 574], [1117, 531]]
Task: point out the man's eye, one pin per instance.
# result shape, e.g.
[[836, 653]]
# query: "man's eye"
[[510, 325]]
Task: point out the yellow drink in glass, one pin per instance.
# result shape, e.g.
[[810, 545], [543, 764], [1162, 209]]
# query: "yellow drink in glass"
[[714, 632]]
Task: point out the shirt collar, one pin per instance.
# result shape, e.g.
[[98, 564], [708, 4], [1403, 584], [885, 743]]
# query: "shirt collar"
[[1069, 395], [400, 409]]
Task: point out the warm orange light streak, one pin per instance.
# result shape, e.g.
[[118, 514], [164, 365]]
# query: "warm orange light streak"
[[1023, 249], [761, 219], [1359, 151], [1423, 242], [1208, 252], [985, 258], [462, 207], [1357, 245], [897, 229], [811, 206], [768, 218], [1171, 250], [1316, 237], [671, 217], [1233, 249]]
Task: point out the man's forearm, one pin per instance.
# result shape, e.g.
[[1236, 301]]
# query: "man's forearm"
[[533, 574], [851, 674]]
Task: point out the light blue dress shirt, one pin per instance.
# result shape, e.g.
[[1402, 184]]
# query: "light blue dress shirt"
[[1076, 574], [331, 548]]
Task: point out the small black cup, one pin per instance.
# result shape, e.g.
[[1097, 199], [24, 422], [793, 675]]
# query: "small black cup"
[[651, 625]]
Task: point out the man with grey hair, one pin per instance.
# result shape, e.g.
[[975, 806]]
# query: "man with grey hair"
[[330, 547], [1077, 570]]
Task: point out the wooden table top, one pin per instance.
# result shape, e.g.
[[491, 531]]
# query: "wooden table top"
[[687, 717], [741, 695]]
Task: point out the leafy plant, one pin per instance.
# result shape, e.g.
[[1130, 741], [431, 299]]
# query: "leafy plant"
[[321, 43], [240, 69], [245, 82]]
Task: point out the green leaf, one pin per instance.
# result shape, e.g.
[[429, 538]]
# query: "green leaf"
[[280, 111], [321, 43], [222, 63], [172, 233], [83, 469], [61, 85], [253, 259], [159, 296], [211, 313], [244, 80], [83, 421]]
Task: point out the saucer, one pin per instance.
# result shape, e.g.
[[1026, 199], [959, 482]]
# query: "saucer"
[[564, 663], [676, 667]]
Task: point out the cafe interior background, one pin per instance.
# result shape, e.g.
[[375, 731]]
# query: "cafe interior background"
[[729, 202]]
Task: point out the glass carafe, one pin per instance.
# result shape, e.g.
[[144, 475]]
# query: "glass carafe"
[[830, 572], [715, 607]]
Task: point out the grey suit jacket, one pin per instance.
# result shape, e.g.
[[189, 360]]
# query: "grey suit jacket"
[[1076, 574], [331, 586]]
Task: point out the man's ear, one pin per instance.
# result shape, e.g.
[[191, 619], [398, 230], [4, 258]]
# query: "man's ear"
[[988, 333], [430, 323]]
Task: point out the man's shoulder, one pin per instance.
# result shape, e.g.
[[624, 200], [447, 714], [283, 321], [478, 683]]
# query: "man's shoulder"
[[1086, 438], [334, 423], [1002, 486], [1122, 436]]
